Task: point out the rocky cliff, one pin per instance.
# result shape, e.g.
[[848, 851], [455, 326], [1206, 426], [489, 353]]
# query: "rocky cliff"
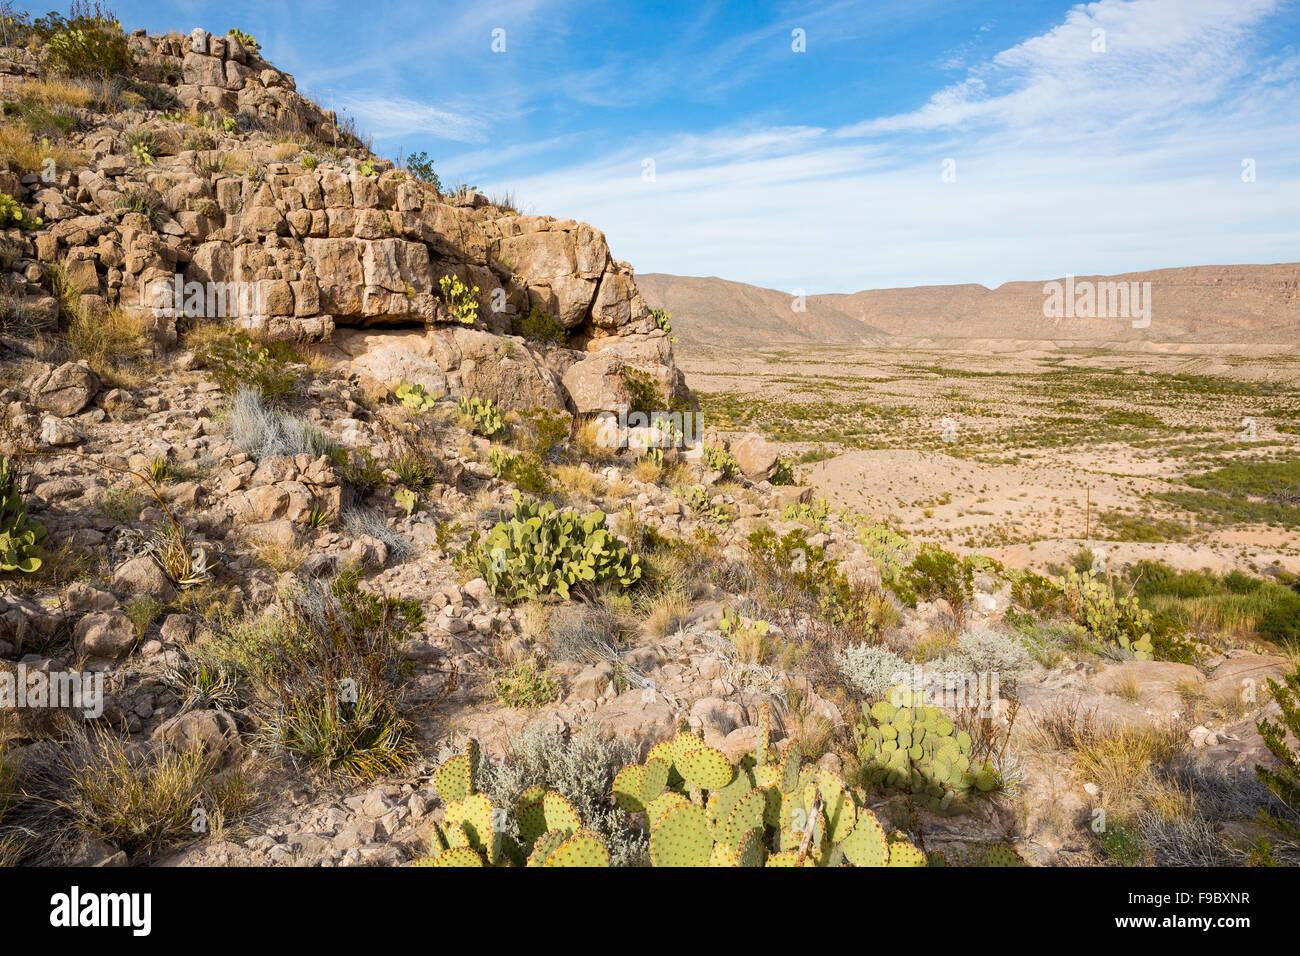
[[220, 172]]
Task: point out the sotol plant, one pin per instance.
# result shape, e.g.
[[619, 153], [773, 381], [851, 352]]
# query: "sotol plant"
[[704, 811], [474, 832], [20, 536], [541, 551]]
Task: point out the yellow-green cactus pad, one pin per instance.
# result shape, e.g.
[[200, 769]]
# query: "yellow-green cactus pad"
[[706, 768], [582, 849], [683, 838]]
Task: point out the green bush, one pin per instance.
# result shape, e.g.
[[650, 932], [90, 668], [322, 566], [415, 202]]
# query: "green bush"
[[87, 44], [933, 574], [526, 471], [420, 166], [642, 392], [542, 327], [20, 536], [240, 362], [544, 552], [1283, 779]]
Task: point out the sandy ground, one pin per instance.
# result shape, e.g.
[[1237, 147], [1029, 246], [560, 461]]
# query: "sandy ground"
[[1013, 487]]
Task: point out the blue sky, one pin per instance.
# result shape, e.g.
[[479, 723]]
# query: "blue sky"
[[823, 170]]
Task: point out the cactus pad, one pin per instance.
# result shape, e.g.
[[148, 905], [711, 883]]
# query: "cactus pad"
[[582, 849], [683, 838]]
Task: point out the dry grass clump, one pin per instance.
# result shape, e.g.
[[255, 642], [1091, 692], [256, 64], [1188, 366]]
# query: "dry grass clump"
[[587, 443], [1122, 762], [109, 340], [55, 91], [666, 612], [143, 802], [277, 555], [580, 483], [21, 152]]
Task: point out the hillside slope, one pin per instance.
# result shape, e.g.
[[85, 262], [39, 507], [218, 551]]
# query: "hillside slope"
[[1230, 304]]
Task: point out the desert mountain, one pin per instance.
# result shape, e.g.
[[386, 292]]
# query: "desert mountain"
[[1239, 303]]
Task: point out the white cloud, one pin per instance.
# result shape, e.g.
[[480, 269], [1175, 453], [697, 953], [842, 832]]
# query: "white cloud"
[[1067, 161], [392, 116]]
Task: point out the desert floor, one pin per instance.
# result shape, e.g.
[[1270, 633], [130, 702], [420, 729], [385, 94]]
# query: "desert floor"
[[1026, 451]]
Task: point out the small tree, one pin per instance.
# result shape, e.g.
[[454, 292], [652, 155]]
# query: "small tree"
[[1283, 780]]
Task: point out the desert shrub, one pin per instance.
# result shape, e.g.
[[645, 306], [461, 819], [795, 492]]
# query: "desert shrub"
[[421, 167], [542, 327], [643, 394], [1037, 593], [871, 671], [261, 431], [806, 575], [582, 768], [784, 474], [1283, 778], [20, 536], [933, 574], [362, 471], [460, 298], [526, 471], [541, 551], [525, 683], [239, 363], [986, 651], [1116, 620], [483, 417], [371, 523], [89, 43], [200, 140], [142, 144]]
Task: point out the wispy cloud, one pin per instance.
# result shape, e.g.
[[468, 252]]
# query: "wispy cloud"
[[1066, 160], [393, 116]]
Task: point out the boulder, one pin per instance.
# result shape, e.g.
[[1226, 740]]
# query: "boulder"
[[142, 577], [104, 637], [65, 390], [756, 456]]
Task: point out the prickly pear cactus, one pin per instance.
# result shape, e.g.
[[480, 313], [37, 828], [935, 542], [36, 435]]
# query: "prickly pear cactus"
[[910, 746], [702, 810], [415, 397], [541, 551], [484, 417], [20, 536], [475, 832]]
